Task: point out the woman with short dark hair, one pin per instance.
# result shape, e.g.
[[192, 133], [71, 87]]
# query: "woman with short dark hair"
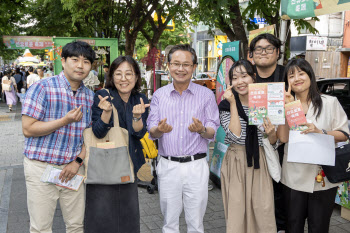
[[115, 208]]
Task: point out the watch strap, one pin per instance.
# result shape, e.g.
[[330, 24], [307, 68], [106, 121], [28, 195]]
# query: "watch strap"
[[136, 119], [79, 160]]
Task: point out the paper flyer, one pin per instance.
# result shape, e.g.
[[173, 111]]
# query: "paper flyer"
[[266, 99], [295, 116], [51, 175]]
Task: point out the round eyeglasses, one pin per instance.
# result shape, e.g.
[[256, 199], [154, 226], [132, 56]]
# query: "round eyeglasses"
[[119, 76]]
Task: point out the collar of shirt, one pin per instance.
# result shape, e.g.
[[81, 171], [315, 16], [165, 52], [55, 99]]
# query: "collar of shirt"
[[190, 88], [63, 81]]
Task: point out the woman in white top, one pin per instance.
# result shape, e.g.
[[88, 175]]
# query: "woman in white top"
[[305, 197], [11, 98]]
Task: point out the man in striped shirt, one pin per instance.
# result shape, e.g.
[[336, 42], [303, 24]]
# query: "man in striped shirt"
[[55, 112], [184, 117]]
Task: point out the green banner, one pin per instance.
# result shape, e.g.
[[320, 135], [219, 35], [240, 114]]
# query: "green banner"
[[299, 9], [230, 54], [27, 42]]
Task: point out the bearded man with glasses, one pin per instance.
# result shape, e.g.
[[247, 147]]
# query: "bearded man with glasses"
[[184, 118], [265, 51]]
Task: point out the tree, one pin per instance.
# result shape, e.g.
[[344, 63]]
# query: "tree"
[[111, 18], [228, 16], [178, 36], [224, 15], [165, 11], [11, 12]]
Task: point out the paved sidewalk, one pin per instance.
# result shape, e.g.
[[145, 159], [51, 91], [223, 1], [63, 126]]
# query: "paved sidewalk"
[[13, 208]]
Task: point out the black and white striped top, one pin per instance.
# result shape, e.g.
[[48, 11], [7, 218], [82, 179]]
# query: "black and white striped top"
[[230, 137]]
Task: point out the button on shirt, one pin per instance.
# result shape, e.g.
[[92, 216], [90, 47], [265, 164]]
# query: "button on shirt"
[[51, 99], [196, 101]]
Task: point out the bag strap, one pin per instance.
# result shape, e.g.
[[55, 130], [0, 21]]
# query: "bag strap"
[[115, 112], [345, 133]]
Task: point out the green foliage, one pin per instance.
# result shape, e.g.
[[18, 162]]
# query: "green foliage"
[[304, 24]]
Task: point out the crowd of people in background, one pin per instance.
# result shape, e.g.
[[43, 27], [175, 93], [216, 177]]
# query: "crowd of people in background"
[[20, 79]]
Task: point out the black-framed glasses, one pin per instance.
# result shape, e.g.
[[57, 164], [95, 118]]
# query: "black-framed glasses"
[[268, 50], [119, 76], [178, 65]]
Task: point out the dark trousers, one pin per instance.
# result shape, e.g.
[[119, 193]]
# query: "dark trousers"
[[112, 209], [280, 211], [316, 207]]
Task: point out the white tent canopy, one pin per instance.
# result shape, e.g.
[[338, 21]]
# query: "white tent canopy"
[[28, 56]]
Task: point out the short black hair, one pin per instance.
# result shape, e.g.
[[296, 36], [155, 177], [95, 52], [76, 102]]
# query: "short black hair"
[[183, 47], [270, 38], [115, 64], [41, 68], [31, 69], [314, 93], [105, 66], [246, 64], [77, 49]]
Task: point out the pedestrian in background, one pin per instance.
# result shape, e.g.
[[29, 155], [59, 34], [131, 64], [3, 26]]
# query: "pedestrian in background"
[[115, 208], [184, 118], [11, 97], [32, 77], [305, 197], [55, 113], [19, 79], [246, 184]]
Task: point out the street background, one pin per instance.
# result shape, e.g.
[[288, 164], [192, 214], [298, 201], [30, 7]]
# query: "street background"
[[14, 216]]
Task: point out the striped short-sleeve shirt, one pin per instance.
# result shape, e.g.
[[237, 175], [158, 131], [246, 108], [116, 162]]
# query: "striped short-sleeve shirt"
[[51, 99]]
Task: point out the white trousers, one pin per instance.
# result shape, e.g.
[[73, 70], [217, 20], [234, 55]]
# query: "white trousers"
[[42, 200], [183, 185]]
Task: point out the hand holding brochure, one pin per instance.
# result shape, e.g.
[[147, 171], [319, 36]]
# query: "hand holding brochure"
[[51, 175], [266, 99], [295, 115]]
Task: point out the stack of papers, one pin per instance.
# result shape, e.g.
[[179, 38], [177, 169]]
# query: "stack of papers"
[[51, 175]]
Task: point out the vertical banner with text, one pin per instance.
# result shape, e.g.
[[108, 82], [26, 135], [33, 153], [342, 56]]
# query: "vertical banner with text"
[[230, 54]]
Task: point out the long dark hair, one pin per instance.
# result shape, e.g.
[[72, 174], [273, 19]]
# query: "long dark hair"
[[314, 94], [115, 64]]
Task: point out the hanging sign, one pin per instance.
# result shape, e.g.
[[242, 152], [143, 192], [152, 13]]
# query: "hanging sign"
[[27, 42], [299, 9]]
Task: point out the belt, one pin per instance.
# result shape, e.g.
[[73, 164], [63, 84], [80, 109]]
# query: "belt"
[[187, 158]]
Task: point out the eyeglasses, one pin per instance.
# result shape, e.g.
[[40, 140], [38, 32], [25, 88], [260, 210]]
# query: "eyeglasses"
[[178, 65], [268, 50], [119, 76]]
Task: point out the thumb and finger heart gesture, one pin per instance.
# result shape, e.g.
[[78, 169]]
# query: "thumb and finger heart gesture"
[[74, 115], [195, 127]]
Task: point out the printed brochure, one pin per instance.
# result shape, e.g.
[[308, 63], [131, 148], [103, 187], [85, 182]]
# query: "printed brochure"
[[266, 99], [51, 175]]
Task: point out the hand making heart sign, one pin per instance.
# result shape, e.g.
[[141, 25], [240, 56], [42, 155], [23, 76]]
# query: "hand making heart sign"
[[196, 126], [139, 109]]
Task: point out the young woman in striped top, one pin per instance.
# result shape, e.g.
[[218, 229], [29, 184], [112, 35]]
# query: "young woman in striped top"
[[245, 182]]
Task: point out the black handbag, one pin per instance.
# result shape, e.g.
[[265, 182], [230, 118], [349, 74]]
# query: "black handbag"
[[340, 172]]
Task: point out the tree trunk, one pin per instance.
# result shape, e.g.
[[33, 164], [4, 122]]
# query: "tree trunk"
[[130, 40], [238, 28]]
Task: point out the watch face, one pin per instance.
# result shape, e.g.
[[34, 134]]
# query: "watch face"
[[79, 160]]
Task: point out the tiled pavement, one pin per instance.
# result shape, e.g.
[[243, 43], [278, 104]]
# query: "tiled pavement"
[[13, 209]]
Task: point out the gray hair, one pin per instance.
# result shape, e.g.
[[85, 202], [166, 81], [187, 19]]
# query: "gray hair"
[[183, 47]]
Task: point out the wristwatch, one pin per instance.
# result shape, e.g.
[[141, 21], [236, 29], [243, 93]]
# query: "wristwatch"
[[324, 131], [79, 160], [203, 132], [135, 119]]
